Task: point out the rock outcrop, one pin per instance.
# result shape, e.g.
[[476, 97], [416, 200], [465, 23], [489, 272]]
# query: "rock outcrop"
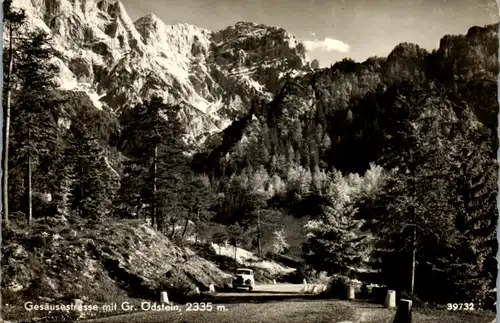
[[119, 63]]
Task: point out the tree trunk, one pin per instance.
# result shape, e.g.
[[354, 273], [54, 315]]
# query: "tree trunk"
[[235, 262], [153, 203], [414, 247], [259, 233], [5, 190], [413, 264], [172, 233], [82, 191], [197, 224], [30, 206], [185, 228]]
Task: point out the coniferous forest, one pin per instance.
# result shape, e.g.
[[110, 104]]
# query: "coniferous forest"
[[383, 171]]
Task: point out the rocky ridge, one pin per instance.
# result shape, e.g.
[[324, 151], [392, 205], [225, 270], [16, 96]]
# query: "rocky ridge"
[[118, 62]]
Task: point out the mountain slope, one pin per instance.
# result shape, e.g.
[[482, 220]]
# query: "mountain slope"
[[119, 63], [56, 262], [325, 102]]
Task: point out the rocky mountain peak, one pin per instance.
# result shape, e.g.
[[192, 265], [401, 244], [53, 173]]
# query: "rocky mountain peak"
[[120, 63]]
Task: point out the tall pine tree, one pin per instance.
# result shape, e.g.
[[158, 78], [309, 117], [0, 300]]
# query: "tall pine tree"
[[335, 241], [13, 20], [152, 137], [94, 181], [36, 110]]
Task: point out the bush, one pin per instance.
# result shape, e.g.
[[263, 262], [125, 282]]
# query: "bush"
[[338, 286], [178, 287], [312, 276], [318, 277]]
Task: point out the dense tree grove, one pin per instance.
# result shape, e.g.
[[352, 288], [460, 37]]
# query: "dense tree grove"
[[380, 160]]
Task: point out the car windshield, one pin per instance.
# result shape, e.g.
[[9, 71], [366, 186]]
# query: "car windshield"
[[243, 272]]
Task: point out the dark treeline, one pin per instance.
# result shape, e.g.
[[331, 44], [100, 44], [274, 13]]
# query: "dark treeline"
[[382, 160]]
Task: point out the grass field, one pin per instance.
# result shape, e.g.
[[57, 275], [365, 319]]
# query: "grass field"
[[371, 313], [275, 312], [299, 311]]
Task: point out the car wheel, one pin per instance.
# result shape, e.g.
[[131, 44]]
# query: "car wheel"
[[250, 288]]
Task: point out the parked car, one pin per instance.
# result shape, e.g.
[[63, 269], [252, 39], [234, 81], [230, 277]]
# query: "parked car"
[[244, 278]]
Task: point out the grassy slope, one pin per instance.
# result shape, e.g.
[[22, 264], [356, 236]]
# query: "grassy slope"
[[275, 312], [370, 313], [300, 311]]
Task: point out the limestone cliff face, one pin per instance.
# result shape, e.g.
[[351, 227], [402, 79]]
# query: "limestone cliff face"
[[119, 63]]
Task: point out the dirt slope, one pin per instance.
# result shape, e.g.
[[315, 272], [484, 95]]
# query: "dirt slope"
[[108, 262]]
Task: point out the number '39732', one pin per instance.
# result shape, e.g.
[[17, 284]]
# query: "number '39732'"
[[460, 306]]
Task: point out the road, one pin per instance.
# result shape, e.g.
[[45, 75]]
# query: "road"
[[272, 290], [281, 303]]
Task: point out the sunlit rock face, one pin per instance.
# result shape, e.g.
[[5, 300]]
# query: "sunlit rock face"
[[119, 63]]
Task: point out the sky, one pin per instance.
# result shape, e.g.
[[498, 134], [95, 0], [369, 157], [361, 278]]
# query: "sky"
[[333, 29]]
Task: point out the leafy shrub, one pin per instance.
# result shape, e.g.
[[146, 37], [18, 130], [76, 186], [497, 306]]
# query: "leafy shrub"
[[318, 277], [312, 276], [178, 287], [338, 286]]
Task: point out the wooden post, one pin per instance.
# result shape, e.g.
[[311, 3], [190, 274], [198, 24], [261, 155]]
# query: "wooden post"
[[403, 313], [350, 293], [77, 302], [305, 288], [164, 298], [78, 306], [390, 299], [259, 233]]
